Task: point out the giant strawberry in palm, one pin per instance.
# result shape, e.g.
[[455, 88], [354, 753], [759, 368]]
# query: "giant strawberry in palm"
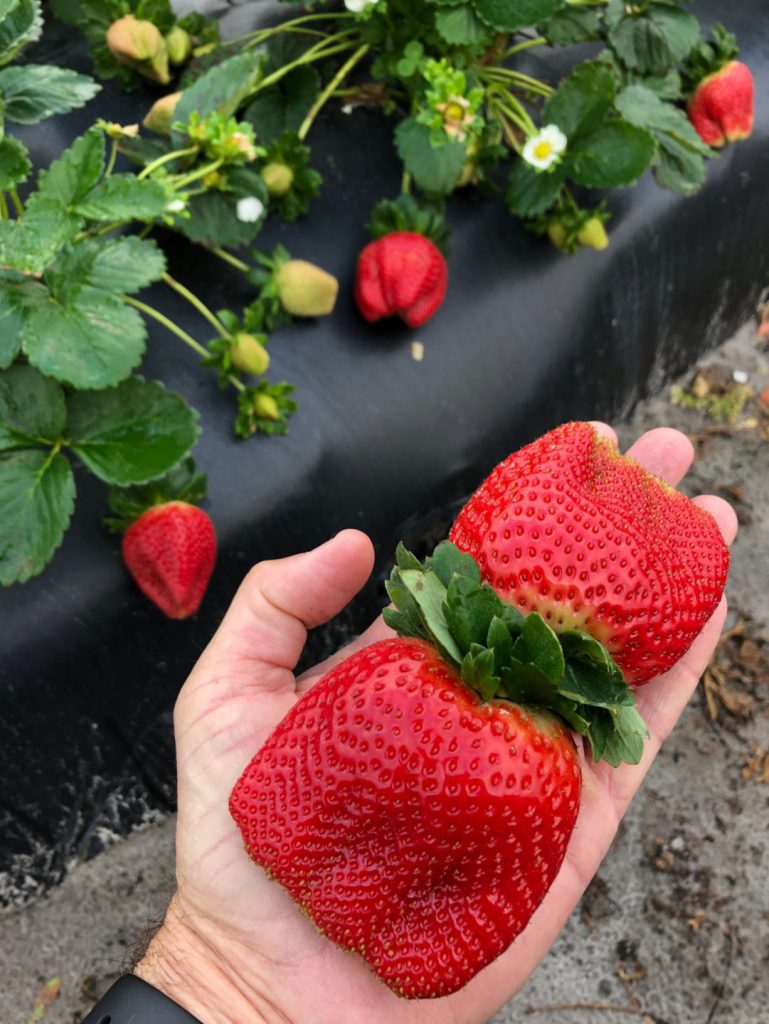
[[589, 539]]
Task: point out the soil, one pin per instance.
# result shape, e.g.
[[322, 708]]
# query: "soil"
[[675, 927]]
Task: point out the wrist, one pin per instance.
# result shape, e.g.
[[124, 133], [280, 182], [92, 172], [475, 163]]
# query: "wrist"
[[201, 975]]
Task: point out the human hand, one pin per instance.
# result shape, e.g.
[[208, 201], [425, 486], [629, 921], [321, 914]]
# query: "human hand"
[[234, 947]]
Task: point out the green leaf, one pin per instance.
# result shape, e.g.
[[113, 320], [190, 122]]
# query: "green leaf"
[[448, 561], [91, 342], [582, 101], [586, 683], [124, 197], [511, 15], [77, 170], [15, 164], [282, 107], [32, 92], [223, 88], [132, 433], [527, 684], [678, 168], [654, 40], [12, 316], [640, 106], [577, 644], [434, 170], [500, 641], [615, 155], [429, 594], [213, 216], [37, 496], [31, 408], [461, 26], [529, 191], [572, 25], [115, 264], [404, 559], [617, 736], [31, 242], [22, 24]]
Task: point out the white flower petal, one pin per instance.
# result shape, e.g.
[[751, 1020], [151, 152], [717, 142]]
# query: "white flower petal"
[[544, 149], [250, 209], [552, 133], [356, 6], [175, 206]]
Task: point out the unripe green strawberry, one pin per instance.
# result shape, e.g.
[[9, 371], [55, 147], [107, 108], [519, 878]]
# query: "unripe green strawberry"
[[248, 354], [160, 116], [179, 43], [278, 178], [305, 289], [139, 45], [558, 234], [266, 408], [593, 234]]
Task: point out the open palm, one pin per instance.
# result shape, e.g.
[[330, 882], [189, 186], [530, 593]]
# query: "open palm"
[[234, 947]]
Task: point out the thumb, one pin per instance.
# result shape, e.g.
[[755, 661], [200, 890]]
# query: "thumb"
[[264, 631]]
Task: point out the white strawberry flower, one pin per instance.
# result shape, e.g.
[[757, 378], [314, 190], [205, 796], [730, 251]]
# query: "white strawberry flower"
[[175, 206], [358, 6], [544, 149], [250, 209]]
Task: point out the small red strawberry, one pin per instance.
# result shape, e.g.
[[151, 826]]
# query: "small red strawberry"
[[571, 529], [410, 803], [402, 274], [722, 106], [169, 544]]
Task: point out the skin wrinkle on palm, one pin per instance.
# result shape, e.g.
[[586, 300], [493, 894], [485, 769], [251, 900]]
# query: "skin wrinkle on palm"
[[228, 913]]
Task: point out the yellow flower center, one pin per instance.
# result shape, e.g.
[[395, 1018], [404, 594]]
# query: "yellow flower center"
[[454, 112], [543, 149]]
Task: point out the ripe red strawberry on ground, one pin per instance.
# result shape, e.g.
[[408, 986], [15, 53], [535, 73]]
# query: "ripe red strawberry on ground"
[[168, 543], [571, 529], [170, 551], [401, 274], [722, 106]]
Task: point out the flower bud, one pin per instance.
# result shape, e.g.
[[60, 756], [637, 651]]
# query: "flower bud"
[[160, 116], [139, 45], [265, 407], [278, 178], [593, 234], [306, 290], [248, 354], [179, 44]]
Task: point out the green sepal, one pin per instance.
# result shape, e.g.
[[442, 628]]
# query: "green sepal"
[[502, 654], [264, 275], [407, 214], [181, 483]]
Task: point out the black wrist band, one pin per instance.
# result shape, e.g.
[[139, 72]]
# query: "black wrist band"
[[133, 1001]]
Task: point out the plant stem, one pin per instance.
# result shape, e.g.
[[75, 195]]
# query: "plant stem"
[[3, 207], [525, 45], [112, 158], [516, 78], [229, 258], [338, 78], [197, 303], [258, 36], [175, 155], [316, 52], [17, 203], [201, 172], [172, 327], [405, 183]]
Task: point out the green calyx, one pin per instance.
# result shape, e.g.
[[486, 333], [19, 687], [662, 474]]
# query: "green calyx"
[[406, 214], [182, 483], [505, 655]]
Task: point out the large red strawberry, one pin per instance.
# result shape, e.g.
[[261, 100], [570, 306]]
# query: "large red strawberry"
[[169, 544], [571, 529], [409, 802], [722, 106], [402, 274]]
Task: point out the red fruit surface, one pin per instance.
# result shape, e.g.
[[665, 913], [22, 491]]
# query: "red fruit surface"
[[414, 824], [170, 551], [722, 107], [588, 538], [401, 274]]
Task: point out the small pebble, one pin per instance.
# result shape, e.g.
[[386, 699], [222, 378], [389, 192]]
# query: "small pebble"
[[740, 376], [417, 351]]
